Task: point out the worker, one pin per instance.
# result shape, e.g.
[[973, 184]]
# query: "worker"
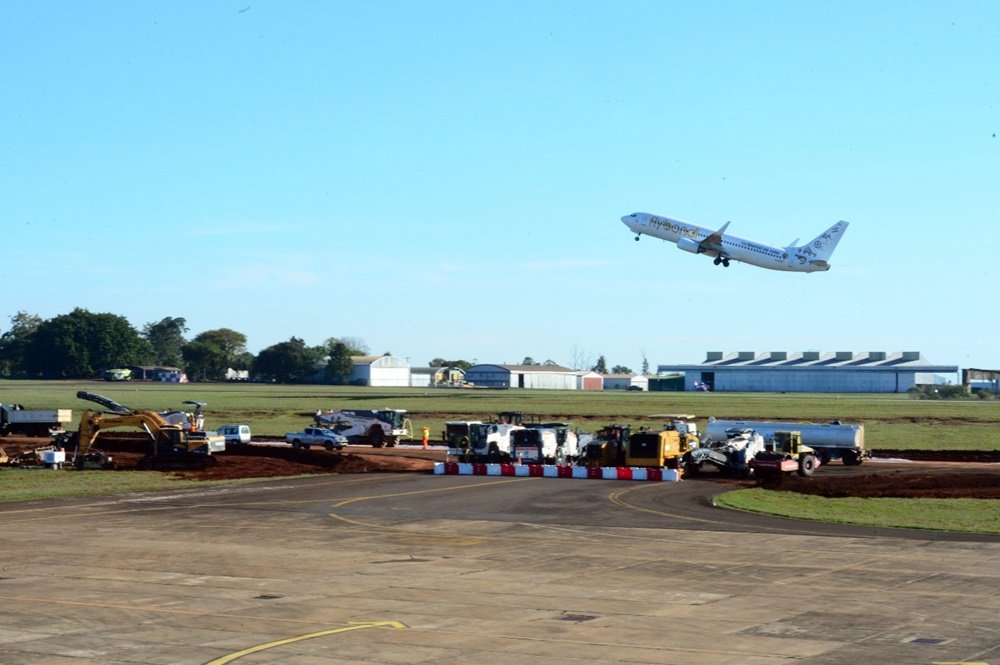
[[426, 432]]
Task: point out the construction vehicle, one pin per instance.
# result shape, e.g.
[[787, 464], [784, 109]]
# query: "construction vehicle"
[[535, 445], [15, 419], [117, 374], [666, 448], [829, 441], [378, 427], [479, 441], [729, 456], [784, 454], [172, 446], [607, 447]]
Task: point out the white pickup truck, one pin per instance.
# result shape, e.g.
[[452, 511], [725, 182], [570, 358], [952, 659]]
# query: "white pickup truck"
[[316, 436]]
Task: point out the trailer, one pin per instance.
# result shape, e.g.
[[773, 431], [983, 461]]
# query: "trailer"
[[15, 419], [829, 441]]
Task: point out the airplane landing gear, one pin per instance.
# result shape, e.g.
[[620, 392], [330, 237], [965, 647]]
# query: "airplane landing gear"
[[725, 263], [637, 237], [718, 260]]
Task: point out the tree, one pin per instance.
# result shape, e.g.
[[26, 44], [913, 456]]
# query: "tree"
[[339, 364], [355, 345], [645, 365], [528, 360], [580, 358], [14, 343], [289, 362], [601, 367], [211, 353], [620, 369], [81, 344], [167, 339], [441, 362]]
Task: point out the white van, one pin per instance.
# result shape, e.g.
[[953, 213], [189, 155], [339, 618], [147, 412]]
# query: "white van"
[[235, 434]]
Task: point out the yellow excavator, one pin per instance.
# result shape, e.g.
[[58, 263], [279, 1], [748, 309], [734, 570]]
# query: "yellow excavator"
[[173, 446]]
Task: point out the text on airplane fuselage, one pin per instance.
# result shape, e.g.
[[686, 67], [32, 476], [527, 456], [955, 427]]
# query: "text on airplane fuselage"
[[665, 224]]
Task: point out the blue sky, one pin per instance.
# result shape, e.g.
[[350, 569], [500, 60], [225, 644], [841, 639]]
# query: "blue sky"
[[446, 178]]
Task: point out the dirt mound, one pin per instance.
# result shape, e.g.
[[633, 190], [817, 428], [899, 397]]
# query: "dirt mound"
[[926, 485]]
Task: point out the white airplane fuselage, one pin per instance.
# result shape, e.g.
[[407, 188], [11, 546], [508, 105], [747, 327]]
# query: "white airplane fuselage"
[[811, 257]]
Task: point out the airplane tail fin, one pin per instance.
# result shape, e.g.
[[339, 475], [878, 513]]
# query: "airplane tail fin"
[[821, 247]]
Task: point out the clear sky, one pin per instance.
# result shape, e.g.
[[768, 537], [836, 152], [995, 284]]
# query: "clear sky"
[[446, 179]]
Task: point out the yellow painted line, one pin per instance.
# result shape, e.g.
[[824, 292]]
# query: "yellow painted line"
[[344, 502], [323, 633], [615, 498]]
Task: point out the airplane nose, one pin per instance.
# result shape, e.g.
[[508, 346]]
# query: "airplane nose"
[[626, 219]]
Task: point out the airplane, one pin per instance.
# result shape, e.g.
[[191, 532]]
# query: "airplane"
[[813, 256]]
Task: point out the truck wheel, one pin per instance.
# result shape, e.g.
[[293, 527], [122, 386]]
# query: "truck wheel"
[[328, 445], [850, 458], [494, 453], [376, 437], [296, 444], [807, 465]]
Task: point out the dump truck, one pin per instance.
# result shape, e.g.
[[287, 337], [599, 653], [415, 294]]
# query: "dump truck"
[[377, 427], [785, 454], [829, 441], [15, 419]]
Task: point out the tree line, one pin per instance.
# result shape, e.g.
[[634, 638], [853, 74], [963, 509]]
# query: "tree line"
[[82, 345]]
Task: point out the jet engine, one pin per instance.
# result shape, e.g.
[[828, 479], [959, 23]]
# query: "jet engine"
[[689, 245]]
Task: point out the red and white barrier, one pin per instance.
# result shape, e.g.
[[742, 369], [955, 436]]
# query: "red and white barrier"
[[555, 471]]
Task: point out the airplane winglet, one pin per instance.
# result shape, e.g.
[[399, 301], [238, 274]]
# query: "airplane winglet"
[[714, 241]]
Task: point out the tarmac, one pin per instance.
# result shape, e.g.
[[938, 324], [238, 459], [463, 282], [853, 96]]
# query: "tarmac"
[[416, 568]]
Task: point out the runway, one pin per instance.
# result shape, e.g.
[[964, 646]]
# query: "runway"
[[414, 568]]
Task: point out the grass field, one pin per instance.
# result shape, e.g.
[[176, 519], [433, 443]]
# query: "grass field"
[[960, 515], [32, 484], [891, 421]]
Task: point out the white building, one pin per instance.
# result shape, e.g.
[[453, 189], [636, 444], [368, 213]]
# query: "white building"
[[625, 381], [545, 377], [812, 372], [379, 371]]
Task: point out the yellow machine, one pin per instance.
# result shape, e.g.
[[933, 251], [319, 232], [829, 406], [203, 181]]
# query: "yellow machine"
[[661, 449], [607, 447], [173, 446]]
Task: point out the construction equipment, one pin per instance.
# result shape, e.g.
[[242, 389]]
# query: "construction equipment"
[[607, 448], [378, 427], [173, 446], [785, 453], [15, 419], [830, 441], [476, 440], [729, 456], [666, 448]]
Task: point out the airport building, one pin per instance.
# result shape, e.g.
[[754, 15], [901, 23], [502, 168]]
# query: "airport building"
[[812, 372], [552, 377]]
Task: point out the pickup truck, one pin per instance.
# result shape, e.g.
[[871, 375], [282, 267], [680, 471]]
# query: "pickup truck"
[[316, 436]]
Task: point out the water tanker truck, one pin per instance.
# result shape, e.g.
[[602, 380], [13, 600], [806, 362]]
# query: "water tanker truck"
[[830, 441]]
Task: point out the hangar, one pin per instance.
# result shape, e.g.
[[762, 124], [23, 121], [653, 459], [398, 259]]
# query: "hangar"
[[812, 372], [379, 371], [522, 376]]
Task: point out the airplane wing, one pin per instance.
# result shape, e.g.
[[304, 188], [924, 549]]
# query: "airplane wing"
[[713, 243]]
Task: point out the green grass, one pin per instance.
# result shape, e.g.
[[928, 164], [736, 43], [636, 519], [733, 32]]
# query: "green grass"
[[30, 484], [958, 515], [891, 421]]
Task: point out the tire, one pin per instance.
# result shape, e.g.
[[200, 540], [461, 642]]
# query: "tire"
[[807, 465], [850, 458], [824, 457], [328, 445], [296, 444], [692, 469], [376, 437], [494, 455]]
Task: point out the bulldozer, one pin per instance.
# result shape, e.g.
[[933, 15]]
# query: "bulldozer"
[[607, 448], [172, 446]]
